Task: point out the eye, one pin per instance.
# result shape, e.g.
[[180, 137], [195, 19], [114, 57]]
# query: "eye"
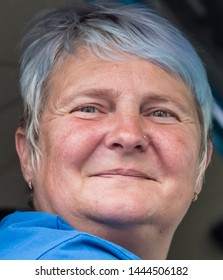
[[162, 114], [88, 109]]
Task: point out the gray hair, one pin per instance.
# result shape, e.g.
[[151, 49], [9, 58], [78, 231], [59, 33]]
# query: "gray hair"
[[107, 30]]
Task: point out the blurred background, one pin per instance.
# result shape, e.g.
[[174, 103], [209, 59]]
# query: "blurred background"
[[200, 236]]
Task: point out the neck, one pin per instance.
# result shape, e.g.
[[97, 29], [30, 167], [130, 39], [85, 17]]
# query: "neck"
[[146, 244], [145, 241]]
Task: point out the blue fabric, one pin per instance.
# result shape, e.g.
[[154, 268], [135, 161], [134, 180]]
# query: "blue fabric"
[[43, 236]]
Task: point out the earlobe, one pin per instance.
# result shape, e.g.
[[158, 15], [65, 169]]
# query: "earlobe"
[[24, 152]]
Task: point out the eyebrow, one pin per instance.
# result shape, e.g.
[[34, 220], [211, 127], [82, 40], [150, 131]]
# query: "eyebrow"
[[93, 92], [156, 97], [111, 94]]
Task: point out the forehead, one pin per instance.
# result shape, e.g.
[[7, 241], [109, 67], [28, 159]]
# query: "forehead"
[[86, 71]]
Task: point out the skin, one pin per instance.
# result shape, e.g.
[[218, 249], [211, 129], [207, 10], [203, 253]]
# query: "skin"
[[120, 148]]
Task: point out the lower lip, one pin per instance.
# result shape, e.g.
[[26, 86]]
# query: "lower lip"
[[110, 176]]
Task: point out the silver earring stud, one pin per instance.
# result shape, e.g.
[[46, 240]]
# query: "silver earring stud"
[[195, 198], [30, 185]]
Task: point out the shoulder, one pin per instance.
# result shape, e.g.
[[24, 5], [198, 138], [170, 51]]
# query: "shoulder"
[[38, 235]]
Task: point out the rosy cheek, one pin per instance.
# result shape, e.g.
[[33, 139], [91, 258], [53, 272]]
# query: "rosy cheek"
[[73, 141], [178, 151]]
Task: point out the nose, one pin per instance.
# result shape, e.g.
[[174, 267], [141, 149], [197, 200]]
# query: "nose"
[[126, 135]]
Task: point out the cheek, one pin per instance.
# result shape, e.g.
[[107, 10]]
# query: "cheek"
[[179, 151], [179, 158], [70, 141]]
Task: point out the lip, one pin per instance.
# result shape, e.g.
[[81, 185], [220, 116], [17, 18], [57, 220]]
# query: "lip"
[[122, 172]]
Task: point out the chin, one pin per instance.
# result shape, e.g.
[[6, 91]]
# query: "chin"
[[123, 213]]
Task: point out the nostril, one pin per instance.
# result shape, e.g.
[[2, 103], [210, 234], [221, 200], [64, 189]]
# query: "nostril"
[[138, 147], [117, 145], [126, 147], [127, 140]]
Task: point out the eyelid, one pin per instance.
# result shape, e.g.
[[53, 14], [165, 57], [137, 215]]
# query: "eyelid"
[[169, 114], [152, 110], [87, 106], [78, 108], [172, 118]]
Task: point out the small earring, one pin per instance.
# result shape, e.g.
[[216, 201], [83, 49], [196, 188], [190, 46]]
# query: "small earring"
[[195, 197], [30, 185]]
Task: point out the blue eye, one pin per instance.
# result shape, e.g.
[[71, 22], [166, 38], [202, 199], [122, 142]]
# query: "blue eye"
[[162, 114], [88, 109]]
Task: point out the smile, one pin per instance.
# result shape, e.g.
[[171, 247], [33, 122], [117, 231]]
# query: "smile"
[[122, 172]]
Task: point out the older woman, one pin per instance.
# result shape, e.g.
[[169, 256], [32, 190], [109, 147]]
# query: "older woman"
[[114, 139]]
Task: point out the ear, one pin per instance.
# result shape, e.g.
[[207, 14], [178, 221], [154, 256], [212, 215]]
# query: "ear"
[[209, 153], [24, 152], [208, 160]]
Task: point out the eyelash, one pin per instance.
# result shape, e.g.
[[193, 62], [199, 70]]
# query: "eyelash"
[[82, 108], [156, 113], [162, 112], [86, 109]]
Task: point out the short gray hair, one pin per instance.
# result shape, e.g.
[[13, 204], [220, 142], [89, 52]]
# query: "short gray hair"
[[107, 30]]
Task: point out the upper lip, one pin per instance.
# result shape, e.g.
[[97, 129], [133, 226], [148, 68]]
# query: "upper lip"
[[124, 172]]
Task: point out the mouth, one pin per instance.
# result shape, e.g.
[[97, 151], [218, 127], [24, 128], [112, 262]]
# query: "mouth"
[[122, 172]]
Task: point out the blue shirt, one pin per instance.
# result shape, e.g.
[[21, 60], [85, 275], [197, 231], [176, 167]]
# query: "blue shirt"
[[43, 236]]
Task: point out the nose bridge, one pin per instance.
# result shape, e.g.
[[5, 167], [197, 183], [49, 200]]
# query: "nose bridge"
[[127, 132], [130, 124]]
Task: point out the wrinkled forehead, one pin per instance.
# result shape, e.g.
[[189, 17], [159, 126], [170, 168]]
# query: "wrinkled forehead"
[[82, 56], [85, 71]]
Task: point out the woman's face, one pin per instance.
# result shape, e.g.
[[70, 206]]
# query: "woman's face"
[[120, 144]]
